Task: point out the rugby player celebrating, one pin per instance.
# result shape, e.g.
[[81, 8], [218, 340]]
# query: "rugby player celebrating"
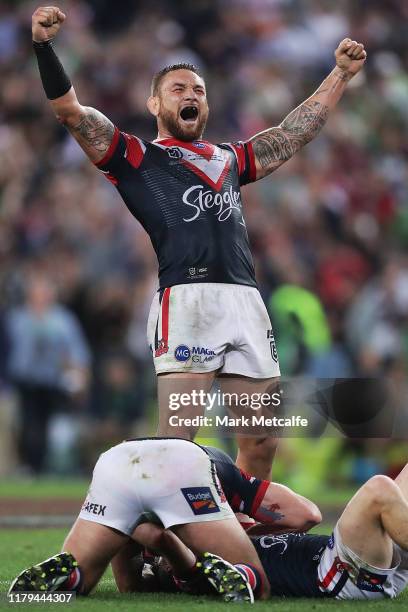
[[208, 319]]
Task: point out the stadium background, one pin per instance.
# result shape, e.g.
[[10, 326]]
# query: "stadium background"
[[329, 230]]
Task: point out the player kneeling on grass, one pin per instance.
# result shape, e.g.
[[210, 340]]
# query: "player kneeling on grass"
[[265, 507], [366, 557], [176, 481]]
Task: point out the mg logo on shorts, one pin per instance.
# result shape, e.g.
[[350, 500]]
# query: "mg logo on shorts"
[[182, 353]]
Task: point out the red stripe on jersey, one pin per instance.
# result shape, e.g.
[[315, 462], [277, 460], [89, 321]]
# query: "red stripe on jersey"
[[330, 574], [111, 150], [218, 185], [252, 166], [235, 503], [260, 494], [165, 315], [112, 179], [135, 152], [240, 153]]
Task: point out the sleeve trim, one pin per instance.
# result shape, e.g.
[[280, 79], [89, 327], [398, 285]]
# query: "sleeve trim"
[[260, 494], [252, 166], [110, 151]]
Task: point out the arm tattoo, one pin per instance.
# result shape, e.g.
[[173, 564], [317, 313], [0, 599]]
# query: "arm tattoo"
[[271, 513], [94, 130], [277, 145]]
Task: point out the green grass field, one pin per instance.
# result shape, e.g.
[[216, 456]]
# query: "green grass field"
[[22, 547]]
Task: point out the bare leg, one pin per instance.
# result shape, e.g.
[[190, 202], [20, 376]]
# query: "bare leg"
[[256, 453], [402, 481], [179, 383], [164, 542], [93, 546], [376, 516], [124, 569]]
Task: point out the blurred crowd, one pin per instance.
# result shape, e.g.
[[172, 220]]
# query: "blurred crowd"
[[329, 229]]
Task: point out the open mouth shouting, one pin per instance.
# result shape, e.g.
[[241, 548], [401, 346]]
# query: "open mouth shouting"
[[189, 114]]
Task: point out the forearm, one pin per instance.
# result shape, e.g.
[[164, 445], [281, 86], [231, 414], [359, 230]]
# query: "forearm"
[[306, 121], [283, 509], [278, 144], [92, 130]]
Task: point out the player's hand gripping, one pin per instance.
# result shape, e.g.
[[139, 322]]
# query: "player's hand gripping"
[[350, 56], [46, 22]]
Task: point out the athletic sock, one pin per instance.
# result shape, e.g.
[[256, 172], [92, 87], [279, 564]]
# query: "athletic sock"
[[73, 582], [253, 576], [187, 574]]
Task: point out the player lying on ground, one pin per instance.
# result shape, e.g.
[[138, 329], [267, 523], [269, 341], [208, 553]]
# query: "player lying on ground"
[[176, 481], [186, 192], [366, 557], [263, 507]]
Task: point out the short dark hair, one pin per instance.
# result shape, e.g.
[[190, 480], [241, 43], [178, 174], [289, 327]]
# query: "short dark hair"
[[158, 77]]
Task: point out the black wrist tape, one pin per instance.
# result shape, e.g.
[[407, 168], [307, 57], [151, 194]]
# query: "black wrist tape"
[[53, 76]]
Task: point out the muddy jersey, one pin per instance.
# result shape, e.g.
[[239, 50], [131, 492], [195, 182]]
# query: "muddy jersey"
[[290, 562], [187, 197]]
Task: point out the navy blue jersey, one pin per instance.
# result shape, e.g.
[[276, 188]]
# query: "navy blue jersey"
[[290, 562], [187, 197], [244, 493]]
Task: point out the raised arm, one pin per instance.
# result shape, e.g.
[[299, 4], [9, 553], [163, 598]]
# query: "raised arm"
[[93, 131], [276, 145]]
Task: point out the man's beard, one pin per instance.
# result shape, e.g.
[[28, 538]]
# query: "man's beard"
[[175, 127]]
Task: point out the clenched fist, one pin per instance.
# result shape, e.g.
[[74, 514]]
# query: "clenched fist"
[[46, 22], [350, 56]]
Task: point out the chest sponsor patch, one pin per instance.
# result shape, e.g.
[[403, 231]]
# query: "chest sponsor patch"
[[200, 500]]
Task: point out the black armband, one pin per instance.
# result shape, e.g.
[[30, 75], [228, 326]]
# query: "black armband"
[[55, 81]]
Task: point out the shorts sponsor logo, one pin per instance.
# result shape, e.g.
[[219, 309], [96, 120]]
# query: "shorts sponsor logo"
[[182, 353], [200, 500], [198, 354], [201, 354], [161, 349], [92, 508], [369, 581]]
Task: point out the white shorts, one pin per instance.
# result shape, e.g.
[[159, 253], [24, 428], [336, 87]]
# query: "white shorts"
[[172, 479], [212, 326], [343, 575]]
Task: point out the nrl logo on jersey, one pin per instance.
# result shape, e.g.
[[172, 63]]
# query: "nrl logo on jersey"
[[174, 153], [221, 204]]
